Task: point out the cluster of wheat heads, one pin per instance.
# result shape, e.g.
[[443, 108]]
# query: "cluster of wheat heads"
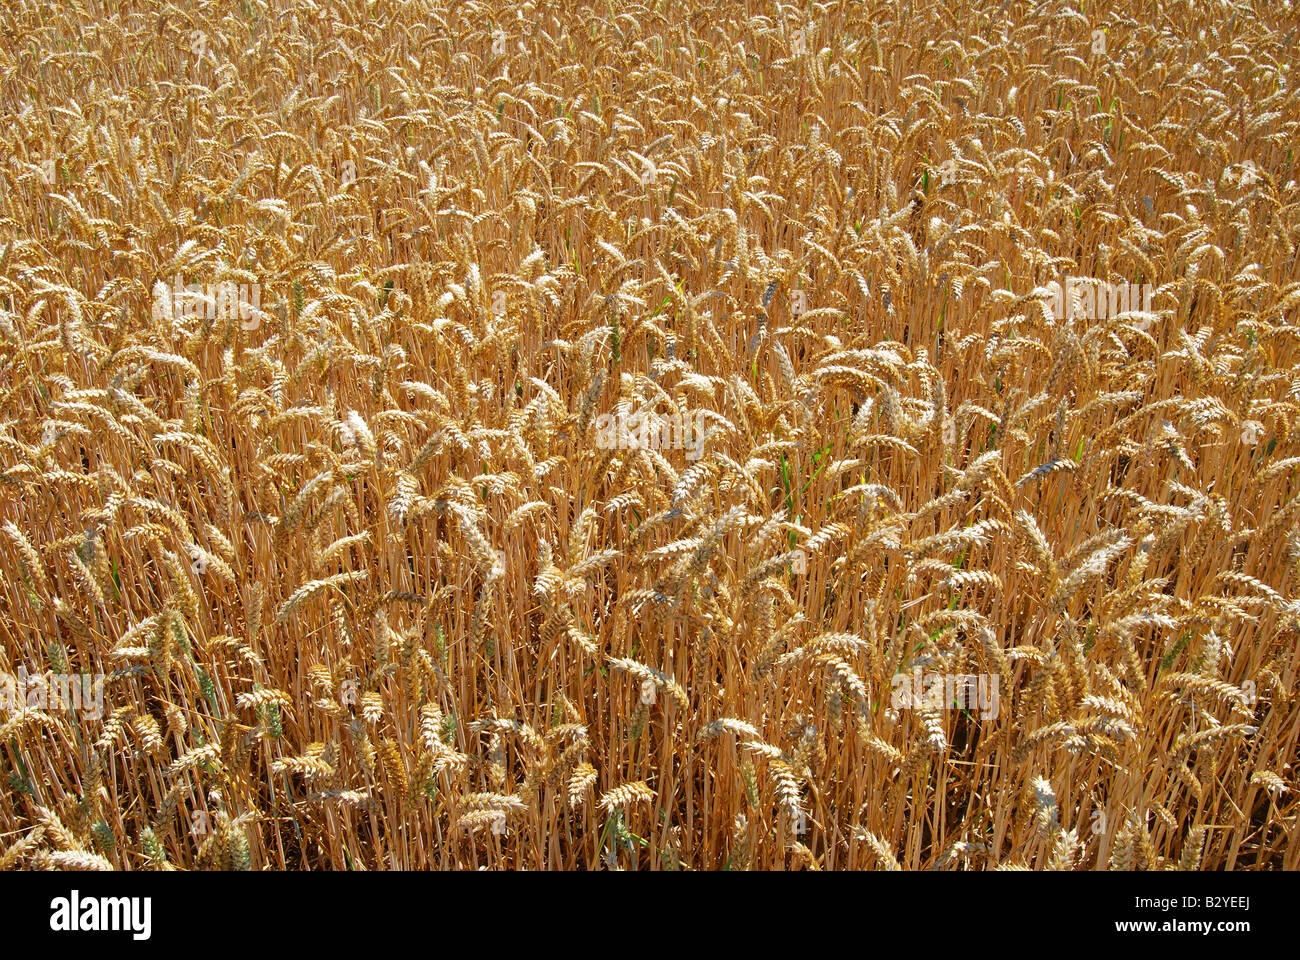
[[383, 570]]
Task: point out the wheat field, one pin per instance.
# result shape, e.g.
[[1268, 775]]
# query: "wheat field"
[[575, 435]]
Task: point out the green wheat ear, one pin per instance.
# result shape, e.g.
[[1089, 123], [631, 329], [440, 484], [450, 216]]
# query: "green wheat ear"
[[104, 838], [149, 843], [440, 643], [274, 722], [179, 632], [58, 657], [206, 686], [751, 783], [19, 784], [238, 854]]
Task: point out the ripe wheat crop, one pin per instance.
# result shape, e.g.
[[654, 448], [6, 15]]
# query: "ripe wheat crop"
[[693, 435]]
